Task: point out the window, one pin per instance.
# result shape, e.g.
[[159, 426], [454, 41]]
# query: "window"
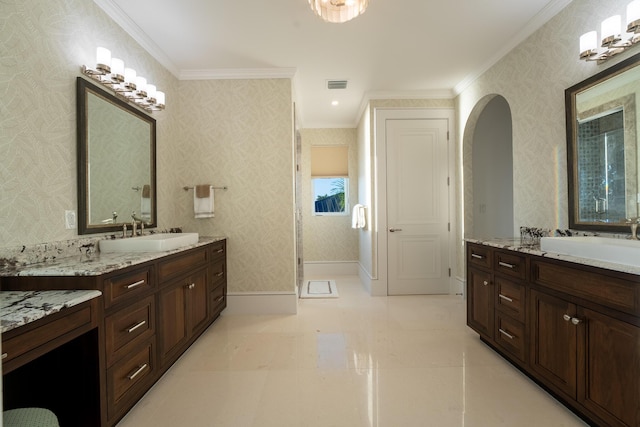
[[330, 179], [330, 196]]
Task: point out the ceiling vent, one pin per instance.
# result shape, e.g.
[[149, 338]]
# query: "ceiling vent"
[[336, 84]]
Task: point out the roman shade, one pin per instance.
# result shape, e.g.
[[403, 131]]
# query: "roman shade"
[[330, 161]]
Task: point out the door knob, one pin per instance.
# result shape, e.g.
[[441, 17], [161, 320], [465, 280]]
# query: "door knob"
[[393, 230]]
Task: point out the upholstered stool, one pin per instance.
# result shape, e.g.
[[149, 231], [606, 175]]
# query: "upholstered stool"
[[29, 417]]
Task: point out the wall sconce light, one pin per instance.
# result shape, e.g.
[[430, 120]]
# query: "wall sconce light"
[[612, 39], [125, 82]]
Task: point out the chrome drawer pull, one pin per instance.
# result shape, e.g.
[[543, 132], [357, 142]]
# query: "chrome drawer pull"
[[504, 264], [4, 356], [133, 328], [220, 298], [136, 284], [137, 372], [506, 298], [219, 251], [506, 334], [477, 256], [220, 274]]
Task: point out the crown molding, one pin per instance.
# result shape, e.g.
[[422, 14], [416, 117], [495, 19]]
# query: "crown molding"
[[544, 16]]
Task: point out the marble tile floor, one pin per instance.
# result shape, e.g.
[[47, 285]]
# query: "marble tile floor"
[[352, 361]]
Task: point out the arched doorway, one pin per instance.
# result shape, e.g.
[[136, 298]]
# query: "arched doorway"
[[488, 145]]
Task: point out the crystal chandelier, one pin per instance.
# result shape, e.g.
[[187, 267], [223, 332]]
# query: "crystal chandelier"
[[338, 11]]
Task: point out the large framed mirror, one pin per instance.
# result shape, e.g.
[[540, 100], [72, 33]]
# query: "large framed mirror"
[[116, 161], [603, 126]]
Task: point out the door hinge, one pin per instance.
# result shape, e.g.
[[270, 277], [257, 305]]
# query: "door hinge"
[[448, 181], [299, 260], [298, 168], [447, 135], [449, 271], [448, 226]]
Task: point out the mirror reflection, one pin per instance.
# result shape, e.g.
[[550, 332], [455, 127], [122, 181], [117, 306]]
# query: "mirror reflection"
[[602, 149], [116, 174]]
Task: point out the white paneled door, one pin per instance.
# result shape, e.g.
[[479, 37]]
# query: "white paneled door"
[[417, 206]]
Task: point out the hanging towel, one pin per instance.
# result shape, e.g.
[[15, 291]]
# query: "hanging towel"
[[145, 202], [358, 217], [203, 201]]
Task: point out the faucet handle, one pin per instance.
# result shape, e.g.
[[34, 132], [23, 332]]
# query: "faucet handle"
[[632, 220]]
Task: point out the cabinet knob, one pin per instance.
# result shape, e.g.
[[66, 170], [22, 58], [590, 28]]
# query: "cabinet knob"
[[566, 317], [485, 283], [575, 320]]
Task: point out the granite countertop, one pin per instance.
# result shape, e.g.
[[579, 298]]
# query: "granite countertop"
[[515, 244], [21, 307], [91, 263]]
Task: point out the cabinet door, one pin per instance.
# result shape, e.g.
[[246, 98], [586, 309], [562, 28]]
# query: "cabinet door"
[[480, 302], [554, 342], [197, 301], [173, 327], [610, 386]]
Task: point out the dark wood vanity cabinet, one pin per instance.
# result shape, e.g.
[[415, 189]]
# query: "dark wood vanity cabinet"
[[580, 329], [150, 313]]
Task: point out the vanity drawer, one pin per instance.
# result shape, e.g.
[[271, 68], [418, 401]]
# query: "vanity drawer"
[[510, 264], [217, 300], [126, 328], [479, 255], [510, 298], [26, 343], [182, 264], [127, 378], [218, 273], [510, 335], [585, 282], [122, 287], [218, 249]]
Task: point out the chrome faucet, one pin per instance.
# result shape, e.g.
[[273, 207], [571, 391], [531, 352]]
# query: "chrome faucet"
[[134, 224], [633, 222]]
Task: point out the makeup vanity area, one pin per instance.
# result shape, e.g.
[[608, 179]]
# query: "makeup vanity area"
[[89, 325]]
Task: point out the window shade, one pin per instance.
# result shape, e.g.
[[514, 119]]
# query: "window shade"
[[330, 161]]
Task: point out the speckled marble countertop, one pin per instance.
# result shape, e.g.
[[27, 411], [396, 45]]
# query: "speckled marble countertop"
[[515, 244], [87, 262], [17, 308]]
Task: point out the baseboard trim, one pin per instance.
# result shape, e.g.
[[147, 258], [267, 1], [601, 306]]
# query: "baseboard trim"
[[262, 303], [330, 268]]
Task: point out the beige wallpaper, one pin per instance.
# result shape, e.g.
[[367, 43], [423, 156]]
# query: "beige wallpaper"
[[43, 45], [328, 238], [532, 78], [239, 133]]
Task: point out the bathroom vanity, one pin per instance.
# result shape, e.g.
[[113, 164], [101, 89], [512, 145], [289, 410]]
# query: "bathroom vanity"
[[153, 307], [570, 324]]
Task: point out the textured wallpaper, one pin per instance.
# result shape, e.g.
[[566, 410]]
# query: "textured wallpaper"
[[328, 238], [532, 78], [239, 134], [43, 45]]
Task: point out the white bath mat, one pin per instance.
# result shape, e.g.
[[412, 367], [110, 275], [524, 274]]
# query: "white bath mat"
[[319, 289]]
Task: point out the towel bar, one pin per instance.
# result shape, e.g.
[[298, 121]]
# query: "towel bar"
[[185, 188]]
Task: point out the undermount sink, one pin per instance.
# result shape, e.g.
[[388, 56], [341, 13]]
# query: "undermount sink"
[[619, 251], [150, 243]]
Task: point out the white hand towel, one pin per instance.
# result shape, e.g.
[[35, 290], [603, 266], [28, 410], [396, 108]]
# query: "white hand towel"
[[203, 206], [358, 217], [145, 202]]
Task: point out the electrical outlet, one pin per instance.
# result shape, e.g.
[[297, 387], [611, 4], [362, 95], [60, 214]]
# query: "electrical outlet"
[[70, 219]]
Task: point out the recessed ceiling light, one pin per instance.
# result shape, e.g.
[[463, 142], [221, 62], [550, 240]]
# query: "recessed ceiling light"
[[334, 103]]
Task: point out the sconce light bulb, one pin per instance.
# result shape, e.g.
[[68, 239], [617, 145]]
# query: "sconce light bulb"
[[103, 60], [588, 44], [160, 99], [151, 93], [141, 86], [117, 69], [130, 78]]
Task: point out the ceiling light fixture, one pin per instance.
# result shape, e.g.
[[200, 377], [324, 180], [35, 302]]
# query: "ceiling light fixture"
[[338, 11], [612, 38], [123, 81]]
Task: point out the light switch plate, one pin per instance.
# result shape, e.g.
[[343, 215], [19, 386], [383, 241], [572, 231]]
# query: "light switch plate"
[[70, 219]]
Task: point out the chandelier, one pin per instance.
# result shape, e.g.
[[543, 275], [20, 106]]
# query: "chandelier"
[[338, 11]]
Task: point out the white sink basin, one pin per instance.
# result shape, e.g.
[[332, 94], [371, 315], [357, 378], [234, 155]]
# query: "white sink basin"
[[619, 251], [151, 243]]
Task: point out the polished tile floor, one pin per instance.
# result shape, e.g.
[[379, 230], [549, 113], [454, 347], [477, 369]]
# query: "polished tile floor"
[[352, 361]]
